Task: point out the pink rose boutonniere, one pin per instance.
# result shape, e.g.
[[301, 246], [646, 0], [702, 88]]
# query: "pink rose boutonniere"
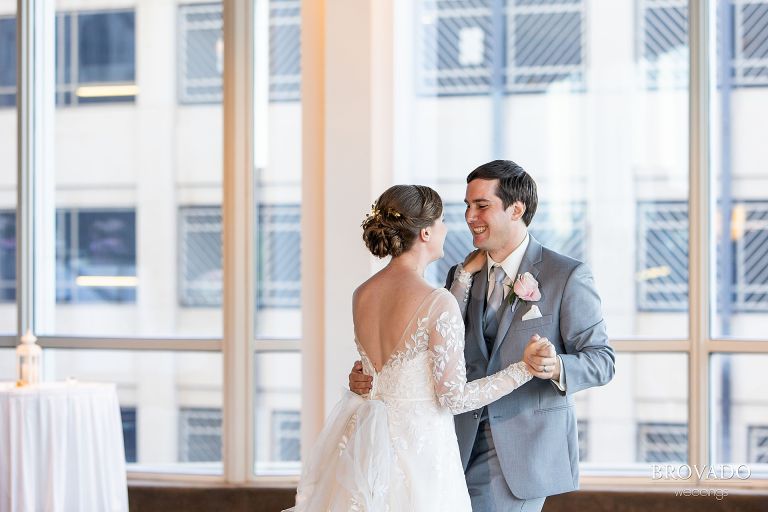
[[525, 289]]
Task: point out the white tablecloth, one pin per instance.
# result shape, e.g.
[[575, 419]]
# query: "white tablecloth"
[[61, 449]]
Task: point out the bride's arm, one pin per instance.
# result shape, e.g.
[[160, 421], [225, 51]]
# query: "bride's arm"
[[462, 279], [462, 283], [449, 371]]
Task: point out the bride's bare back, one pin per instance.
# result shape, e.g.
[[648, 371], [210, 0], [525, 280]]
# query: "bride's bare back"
[[382, 309]]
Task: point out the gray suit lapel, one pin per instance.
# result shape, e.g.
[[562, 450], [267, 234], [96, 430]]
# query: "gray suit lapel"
[[476, 308], [531, 259]]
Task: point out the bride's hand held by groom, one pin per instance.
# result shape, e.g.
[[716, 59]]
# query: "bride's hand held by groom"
[[541, 358]]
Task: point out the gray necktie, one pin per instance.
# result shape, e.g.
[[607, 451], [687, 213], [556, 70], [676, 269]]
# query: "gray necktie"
[[491, 319]]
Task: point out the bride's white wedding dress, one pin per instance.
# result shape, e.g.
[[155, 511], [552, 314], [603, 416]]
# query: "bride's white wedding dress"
[[396, 450]]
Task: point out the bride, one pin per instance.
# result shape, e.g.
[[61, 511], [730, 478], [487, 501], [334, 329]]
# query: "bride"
[[395, 449]]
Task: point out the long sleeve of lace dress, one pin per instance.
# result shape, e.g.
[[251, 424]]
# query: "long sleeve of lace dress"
[[462, 282], [449, 370]]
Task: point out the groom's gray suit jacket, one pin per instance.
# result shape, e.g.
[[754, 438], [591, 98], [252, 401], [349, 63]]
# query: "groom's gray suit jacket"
[[534, 427]]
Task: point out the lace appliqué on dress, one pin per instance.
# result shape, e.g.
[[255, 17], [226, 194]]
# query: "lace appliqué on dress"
[[450, 371]]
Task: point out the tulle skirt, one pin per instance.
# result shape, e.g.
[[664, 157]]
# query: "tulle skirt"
[[350, 467]]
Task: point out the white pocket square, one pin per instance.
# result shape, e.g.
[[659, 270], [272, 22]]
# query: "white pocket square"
[[532, 313]]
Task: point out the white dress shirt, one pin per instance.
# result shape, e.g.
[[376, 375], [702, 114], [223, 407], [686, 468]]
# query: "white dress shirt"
[[511, 266]]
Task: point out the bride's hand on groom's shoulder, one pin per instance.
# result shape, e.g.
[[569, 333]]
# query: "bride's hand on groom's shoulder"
[[474, 261], [359, 382]]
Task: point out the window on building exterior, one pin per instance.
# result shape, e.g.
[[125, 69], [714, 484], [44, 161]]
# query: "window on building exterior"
[[750, 240], [201, 52], [750, 60], [7, 256], [95, 256], [662, 256], [457, 48], [286, 433], [7, 61], [583, 435], [662, 265], [279, 264], [662, 442], [106, 47], [279, 271], [95, 58], [663, 44], [473, 47], [199, 435], [200, 270], [758, 444], [545, 44], [128, 418]]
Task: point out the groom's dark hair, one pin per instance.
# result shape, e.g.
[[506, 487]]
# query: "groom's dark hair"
[[514, 185]]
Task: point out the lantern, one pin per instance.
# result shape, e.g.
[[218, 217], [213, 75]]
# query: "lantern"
[[28, 358]]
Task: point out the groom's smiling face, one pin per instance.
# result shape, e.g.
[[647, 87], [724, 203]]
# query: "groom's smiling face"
[[493, 227]]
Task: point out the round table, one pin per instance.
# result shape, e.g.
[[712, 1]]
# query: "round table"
[[61, 448]]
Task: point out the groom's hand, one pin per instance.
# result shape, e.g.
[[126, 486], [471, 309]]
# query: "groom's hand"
[[359, 382], [544, 363]]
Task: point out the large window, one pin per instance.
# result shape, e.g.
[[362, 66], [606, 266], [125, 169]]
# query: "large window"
[[607, 137], [535, 81], [591, 97]]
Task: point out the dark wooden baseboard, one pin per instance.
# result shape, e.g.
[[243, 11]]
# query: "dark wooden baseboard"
[[654, 501], [202, 499], [247, 499]]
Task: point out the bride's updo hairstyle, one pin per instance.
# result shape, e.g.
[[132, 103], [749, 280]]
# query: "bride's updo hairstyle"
[[397, 217]]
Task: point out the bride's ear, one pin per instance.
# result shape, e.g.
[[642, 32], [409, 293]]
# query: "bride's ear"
[[425, 234]]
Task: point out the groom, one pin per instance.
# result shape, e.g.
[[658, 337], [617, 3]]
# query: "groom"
[[523, 447]]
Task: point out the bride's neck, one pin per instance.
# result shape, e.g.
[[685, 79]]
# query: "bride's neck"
[[410, 263]]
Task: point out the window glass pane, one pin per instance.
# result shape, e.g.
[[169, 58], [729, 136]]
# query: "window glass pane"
[[635, 422], [170, 403], [277, 261], [278, 174], [739, 416], [602, 128], [277, 413], [8, 170], [740, 225], [136, 224]]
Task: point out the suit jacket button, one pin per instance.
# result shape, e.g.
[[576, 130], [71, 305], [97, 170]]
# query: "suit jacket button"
[[476, 415]]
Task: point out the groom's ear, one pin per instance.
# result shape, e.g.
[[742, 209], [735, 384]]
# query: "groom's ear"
[[516, 210]]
